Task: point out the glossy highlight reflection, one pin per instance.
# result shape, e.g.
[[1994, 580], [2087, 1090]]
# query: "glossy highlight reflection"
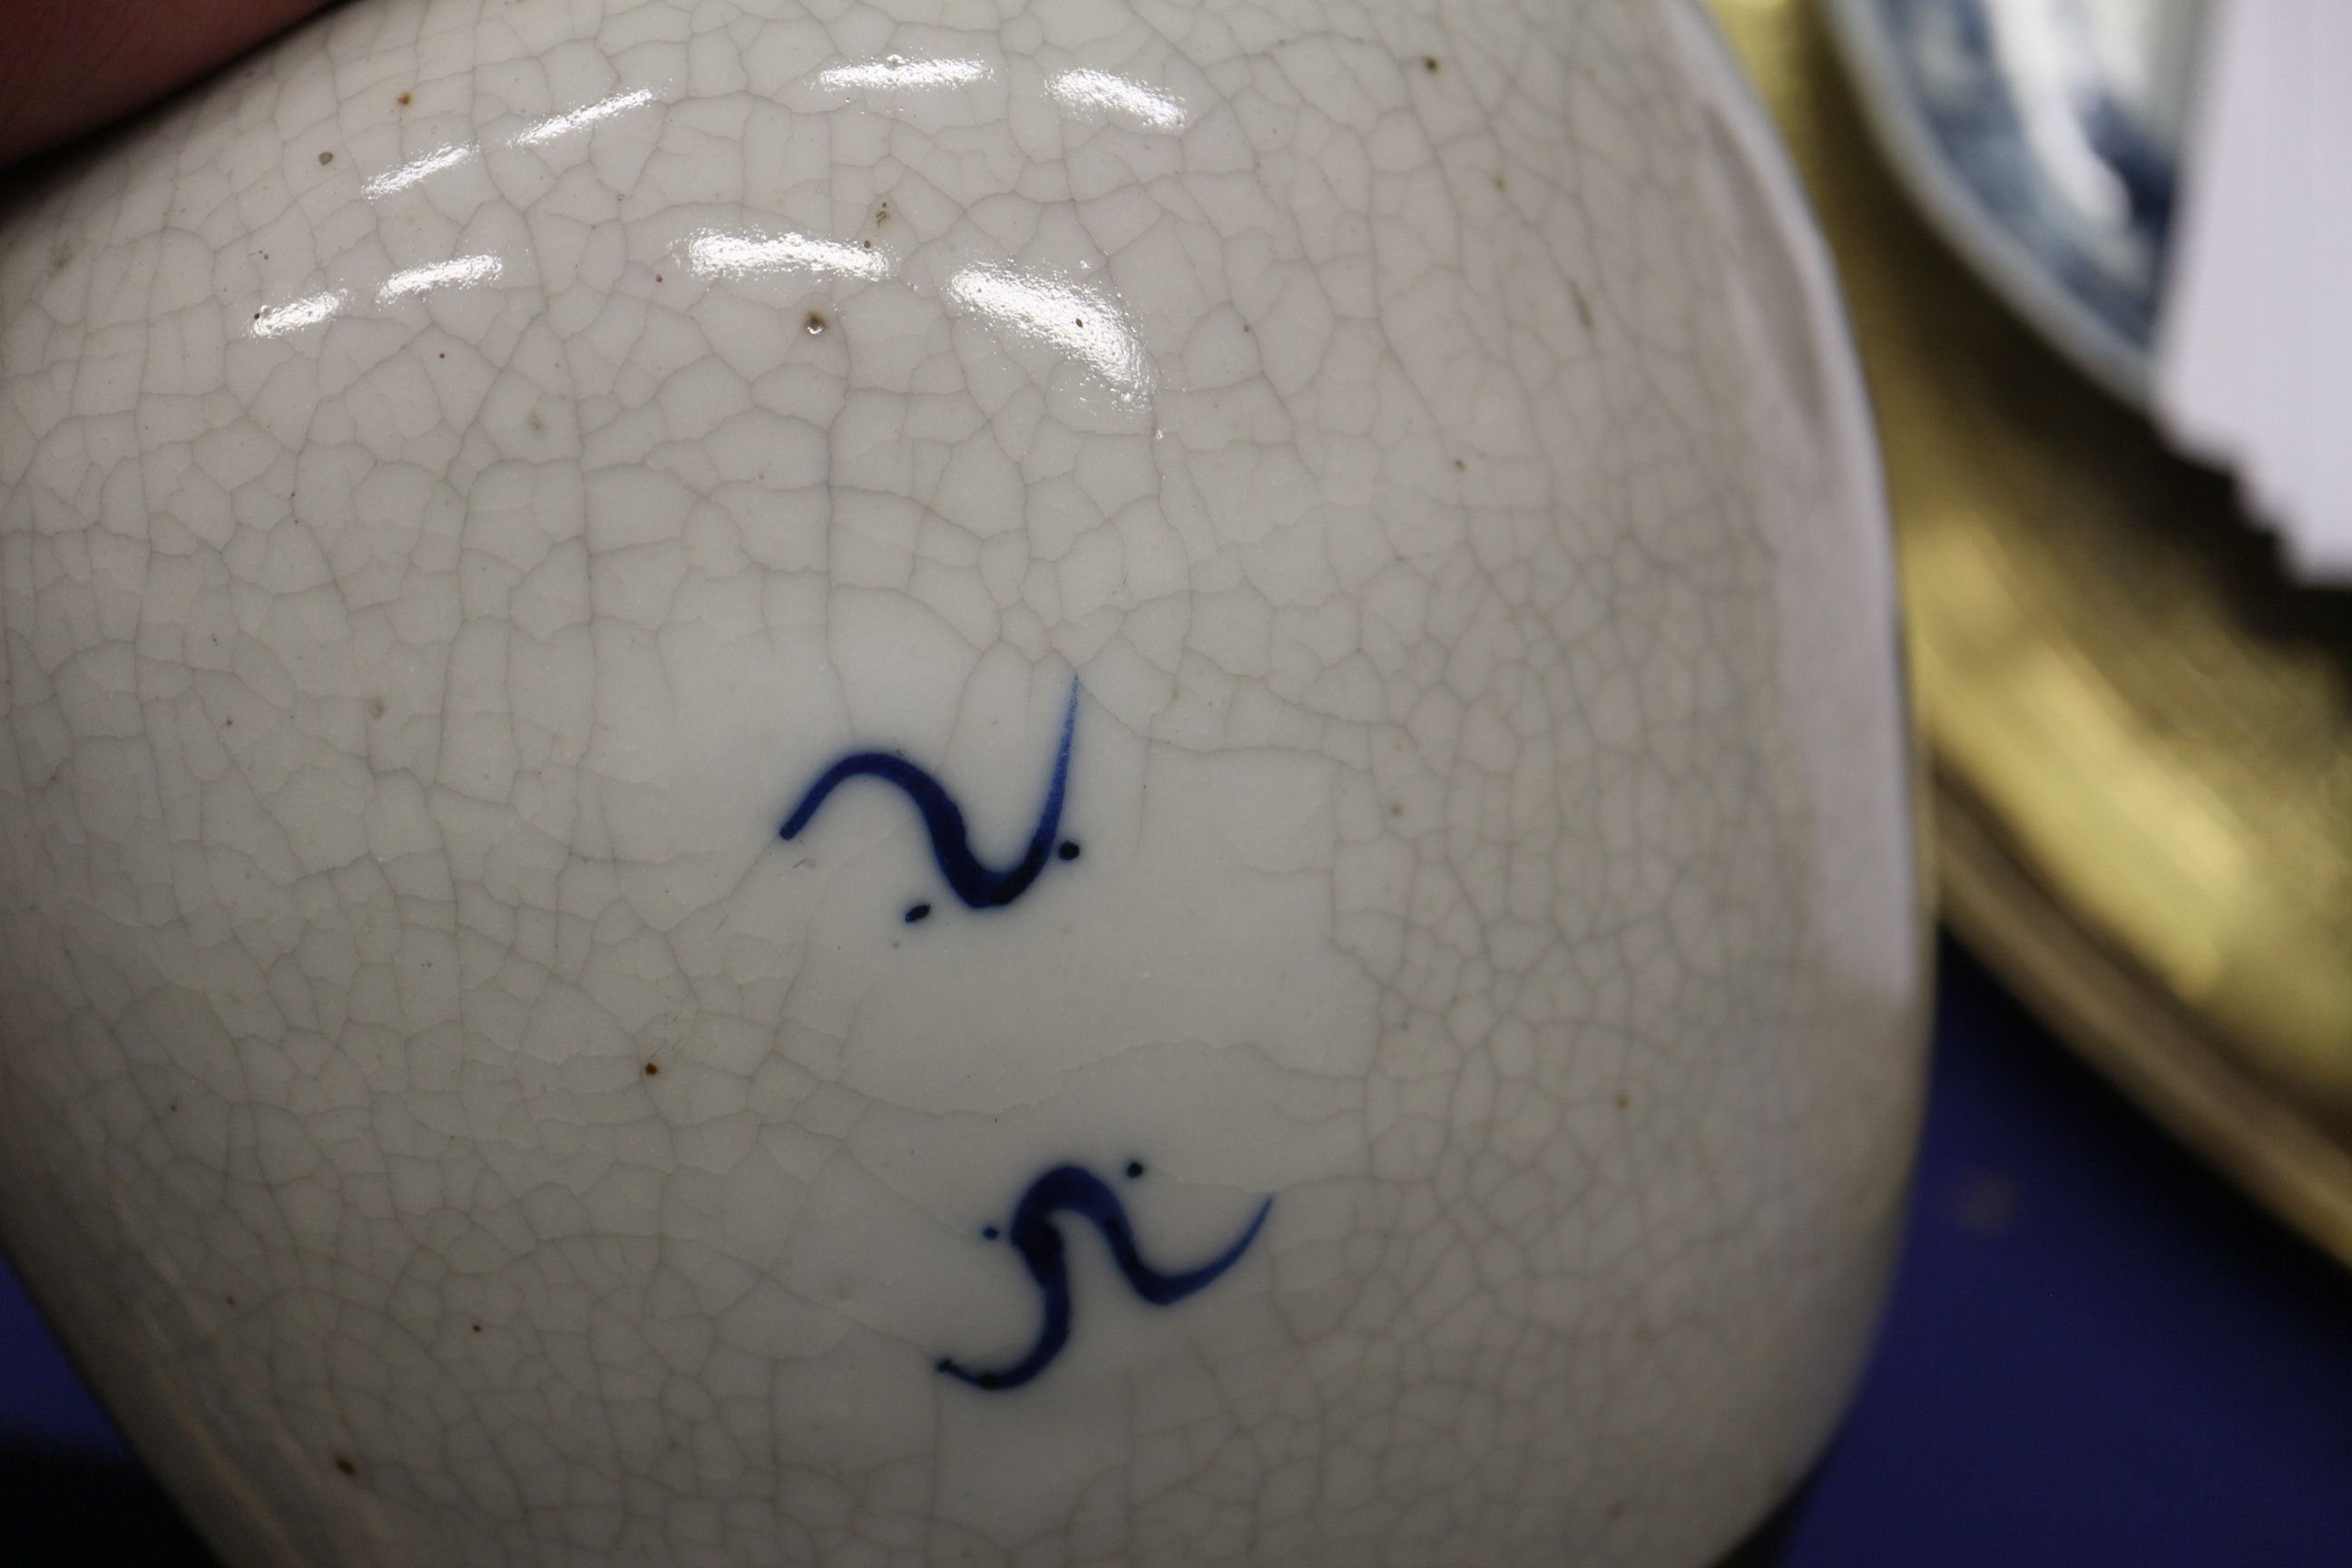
[[1094, 92], [1082, 323], [896, 72], [719, 255]]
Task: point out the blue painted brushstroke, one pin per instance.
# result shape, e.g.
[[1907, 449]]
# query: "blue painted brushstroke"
[[1074, 1189], [978, 886]]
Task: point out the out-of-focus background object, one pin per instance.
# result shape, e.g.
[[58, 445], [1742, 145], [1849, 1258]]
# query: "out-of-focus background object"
[[2140, 724], [2044, 138], [2161, 187], [2253, 341]]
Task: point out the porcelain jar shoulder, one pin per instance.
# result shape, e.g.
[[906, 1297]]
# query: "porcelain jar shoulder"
[[929, 782]]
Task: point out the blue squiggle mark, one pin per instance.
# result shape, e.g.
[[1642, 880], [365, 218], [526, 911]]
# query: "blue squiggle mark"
[[1076, 1190], [978, 886]]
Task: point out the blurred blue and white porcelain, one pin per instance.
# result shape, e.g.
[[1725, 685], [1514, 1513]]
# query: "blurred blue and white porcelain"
[[2045, 138], [915, 783], [2156, 186]]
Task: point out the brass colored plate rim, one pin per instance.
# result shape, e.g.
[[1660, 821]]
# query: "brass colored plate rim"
[[2125, 1023]]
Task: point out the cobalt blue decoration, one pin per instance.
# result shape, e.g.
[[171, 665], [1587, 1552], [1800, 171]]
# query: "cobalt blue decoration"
[[1076, 1190], [978, 885]]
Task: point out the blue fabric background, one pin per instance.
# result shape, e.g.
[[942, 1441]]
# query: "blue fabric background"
[[2098, 1353]]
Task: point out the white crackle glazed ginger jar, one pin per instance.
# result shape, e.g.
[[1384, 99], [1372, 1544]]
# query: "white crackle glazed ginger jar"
[[890, 781]]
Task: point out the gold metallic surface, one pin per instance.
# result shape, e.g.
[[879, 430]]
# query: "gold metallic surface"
[[2141, 733]]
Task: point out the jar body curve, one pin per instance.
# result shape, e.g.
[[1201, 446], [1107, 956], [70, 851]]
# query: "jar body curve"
[[1103, 783]]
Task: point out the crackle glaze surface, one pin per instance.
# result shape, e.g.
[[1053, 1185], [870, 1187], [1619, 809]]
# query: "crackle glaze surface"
[[517, 515]]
